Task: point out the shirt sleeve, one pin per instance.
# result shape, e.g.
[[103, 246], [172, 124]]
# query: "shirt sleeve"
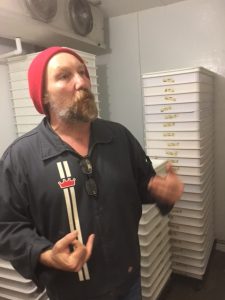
[[19, 242], [143, 171]]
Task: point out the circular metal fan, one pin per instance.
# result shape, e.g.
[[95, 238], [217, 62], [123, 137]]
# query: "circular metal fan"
[[42, 10], [80, 16]]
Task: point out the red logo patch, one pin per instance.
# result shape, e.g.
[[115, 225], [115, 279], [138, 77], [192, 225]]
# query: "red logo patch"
[[67, 183]]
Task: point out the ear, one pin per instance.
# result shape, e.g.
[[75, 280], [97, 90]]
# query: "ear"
[[45, 102], [45, 98]]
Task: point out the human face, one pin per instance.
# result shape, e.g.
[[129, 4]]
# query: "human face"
[[67, 90]]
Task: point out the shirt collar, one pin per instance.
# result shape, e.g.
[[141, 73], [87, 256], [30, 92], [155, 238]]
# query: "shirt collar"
[[51, 144]]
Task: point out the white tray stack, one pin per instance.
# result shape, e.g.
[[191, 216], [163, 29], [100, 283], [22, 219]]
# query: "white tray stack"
[[15, 287], [178, 107], [155, 247]]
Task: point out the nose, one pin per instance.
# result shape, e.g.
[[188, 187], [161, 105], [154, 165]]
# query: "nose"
[[81, 82]]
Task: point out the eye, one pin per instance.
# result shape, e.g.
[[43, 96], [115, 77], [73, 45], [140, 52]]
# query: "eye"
[[64, 76], [82, 72]]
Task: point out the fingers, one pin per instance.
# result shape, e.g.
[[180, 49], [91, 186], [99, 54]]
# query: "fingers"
[[65, 259], [167, 189], [89, 246], [81, 253], [77, 258], [66, 241], [153, 183], [159, 187]]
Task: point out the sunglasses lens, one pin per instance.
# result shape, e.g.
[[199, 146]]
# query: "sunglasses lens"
[[86, 166], [90, 184], [91, 187]]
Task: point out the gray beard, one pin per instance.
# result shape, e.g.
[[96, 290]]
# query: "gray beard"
[[71, 115], [82, 109]]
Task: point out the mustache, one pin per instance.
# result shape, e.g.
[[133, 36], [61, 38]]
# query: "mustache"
[[84, 94]]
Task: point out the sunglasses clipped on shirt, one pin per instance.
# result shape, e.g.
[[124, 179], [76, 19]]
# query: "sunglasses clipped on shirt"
[[90, 184]]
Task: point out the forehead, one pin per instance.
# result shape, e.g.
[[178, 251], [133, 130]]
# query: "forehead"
[[63, 60]]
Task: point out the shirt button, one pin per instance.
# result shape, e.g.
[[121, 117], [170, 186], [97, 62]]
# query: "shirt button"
[[130, 269]]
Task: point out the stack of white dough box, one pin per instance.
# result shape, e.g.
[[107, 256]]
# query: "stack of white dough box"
[[178, 111], [15, 287], [155, 246]]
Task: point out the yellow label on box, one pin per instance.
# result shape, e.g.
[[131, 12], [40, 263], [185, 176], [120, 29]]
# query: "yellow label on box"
[[165, 108], [168, 134], [173, 144], [170, 116], [170, 98], [169, 124]]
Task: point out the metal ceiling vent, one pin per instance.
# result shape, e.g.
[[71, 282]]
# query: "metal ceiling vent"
[[42, 10], [80, 16]]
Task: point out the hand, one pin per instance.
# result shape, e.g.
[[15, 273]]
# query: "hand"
[[168, 189], [61, 257]]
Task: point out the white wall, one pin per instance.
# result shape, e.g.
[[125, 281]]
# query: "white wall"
[[119, 75], [185, 34], [7, 128]]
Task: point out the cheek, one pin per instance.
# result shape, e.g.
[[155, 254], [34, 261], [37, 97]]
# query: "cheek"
[[63, 89], [87, 83]]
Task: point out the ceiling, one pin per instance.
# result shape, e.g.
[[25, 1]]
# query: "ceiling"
[[113, 8]]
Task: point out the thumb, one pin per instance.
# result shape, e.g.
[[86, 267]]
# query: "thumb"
[[89, 245], [169, 168]]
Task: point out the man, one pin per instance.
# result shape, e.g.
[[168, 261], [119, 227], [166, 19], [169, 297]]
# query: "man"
[[72, 189]]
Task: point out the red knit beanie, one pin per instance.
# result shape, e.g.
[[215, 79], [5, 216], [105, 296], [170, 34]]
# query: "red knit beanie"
[[36, 73]]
